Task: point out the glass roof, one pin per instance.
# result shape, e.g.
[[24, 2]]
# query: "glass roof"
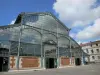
[[44, 21], [36, 29]]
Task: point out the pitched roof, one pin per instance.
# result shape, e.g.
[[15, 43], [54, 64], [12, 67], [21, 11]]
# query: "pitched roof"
[[85, 44], [95, 42], [90, 43], [33, 13]]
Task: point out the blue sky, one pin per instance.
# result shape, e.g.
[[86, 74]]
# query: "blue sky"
[[9, 9], [82, 16]]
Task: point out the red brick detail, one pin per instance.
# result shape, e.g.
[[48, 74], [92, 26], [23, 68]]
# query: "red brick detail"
[[29, 62], [65, 61], [12, 64]]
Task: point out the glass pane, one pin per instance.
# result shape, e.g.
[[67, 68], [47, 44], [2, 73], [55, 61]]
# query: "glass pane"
[[44, 21]]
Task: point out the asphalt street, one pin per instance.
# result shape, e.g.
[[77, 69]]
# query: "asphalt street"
[[93, 69]]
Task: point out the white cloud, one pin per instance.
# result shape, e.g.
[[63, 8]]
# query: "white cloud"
[[79, 42], [73, 35], [78, 12], [13, 21], [90, 32]]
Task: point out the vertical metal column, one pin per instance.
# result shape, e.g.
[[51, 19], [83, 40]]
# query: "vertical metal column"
[[41, 47], [43, 51], [9, 55], [18, 50], [82, 58], [57, 52], [70, 48], [19, 40], [44, 60]]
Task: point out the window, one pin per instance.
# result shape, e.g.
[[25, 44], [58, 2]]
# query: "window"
[[98, 57], [97, 50], [92, 51], [93, 57], [96, 44]]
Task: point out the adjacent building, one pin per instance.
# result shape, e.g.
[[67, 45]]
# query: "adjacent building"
[[93, 50], [35, 41]]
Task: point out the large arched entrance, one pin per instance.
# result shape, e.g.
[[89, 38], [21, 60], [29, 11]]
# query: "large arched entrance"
[[4, 58], [50, 54], [77, 61]]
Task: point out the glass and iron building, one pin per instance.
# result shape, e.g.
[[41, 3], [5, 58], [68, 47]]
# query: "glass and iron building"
[[37, 40]]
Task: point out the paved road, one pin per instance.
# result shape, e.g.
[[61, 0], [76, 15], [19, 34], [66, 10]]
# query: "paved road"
[[80, 70]]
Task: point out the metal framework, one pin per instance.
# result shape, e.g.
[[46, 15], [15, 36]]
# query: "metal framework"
[[33, 31]]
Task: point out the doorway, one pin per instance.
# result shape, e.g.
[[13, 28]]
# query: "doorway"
[[3, 64], [51, 63], [77, 61]]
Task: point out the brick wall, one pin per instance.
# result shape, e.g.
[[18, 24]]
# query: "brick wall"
[[13, 60], [25, 62], [65, 61], [30, 62]]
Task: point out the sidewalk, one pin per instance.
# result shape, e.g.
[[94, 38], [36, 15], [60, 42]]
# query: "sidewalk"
[[20, 71], [41, 69]]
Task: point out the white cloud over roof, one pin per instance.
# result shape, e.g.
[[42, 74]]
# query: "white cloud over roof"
[[13, 21], [80, 13], [90, 31]]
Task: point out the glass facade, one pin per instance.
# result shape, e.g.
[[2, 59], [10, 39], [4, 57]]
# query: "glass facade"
[[38, 34]]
